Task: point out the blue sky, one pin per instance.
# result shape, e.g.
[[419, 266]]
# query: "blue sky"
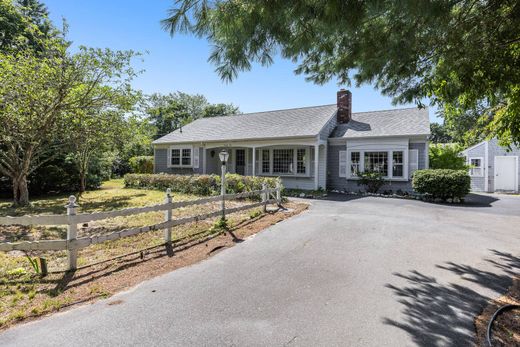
[[180, 63]]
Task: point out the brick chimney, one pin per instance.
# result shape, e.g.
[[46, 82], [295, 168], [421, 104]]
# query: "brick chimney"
[[344, 106]]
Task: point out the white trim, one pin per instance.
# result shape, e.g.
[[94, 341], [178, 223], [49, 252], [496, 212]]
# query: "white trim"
[[390, 159], [169, 157], [295, 161], [481, 166], [516, 169], [316, 165], [342, 163]]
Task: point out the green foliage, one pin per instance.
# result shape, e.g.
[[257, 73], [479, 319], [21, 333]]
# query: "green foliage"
[[459, 54], [141, 164], [439, 133], [220, 224], [447, 156], [442, 183], [198, 184], [171, 111], [372, 180]]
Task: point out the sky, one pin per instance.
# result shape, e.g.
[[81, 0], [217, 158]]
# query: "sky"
[[180, 63]]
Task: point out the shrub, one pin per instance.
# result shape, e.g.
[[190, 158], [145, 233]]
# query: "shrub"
[[198, 184], [141, 164], [372, 180], [442, 183], [446, 156]]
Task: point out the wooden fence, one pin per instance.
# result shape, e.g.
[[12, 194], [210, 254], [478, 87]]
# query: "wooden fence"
[[72, 244]]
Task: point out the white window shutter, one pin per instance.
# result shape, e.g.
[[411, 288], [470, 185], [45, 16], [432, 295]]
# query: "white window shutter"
[[413, 161], [195, 157], [168, 157], [342, 163]]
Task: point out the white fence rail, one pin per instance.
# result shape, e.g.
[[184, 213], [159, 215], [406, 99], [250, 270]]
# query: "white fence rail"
[[72, 244]]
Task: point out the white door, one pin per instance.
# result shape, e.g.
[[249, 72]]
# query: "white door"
[[506, 173]]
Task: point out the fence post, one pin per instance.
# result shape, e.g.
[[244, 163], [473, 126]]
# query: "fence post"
[[278, 193], [264, 196], [168, 216], [72, 232]]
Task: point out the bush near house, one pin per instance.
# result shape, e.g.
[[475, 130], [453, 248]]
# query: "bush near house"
[[442, 183], [372, 180], [142, 164], [198, 184]]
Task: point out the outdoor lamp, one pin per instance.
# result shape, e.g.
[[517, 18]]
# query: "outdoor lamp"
[[224, 155]]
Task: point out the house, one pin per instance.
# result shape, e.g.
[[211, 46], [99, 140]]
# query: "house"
[[493, 168], [309, 147]]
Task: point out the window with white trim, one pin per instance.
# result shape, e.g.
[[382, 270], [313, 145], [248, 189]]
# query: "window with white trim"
[[266, 162], [283, 161], [377, 162], [301, 160], [397, 164], [354, 163], [476, 168], [181, 157], [175, 157]]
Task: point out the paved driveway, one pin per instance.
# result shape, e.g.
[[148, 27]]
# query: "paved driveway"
[[362, 272]]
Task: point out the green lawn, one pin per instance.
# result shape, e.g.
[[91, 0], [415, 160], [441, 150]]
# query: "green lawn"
[[24, 294]]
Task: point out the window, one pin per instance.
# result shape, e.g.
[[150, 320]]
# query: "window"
[[377, 161], [266, 163], [283, 160], [180, 157], [354, 163], [301, 161], [186, 156], [397, 164], [176, 157], [476, 168]]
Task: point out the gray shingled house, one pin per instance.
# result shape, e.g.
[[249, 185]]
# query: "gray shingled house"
[[309, 147], [493, 168]]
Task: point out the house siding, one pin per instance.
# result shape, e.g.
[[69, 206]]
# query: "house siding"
[[478, 184], [161, 163]]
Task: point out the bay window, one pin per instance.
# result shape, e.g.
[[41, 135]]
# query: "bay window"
[[397, 164], [266, 162], [377, 162], [354, 163], [301, 160]]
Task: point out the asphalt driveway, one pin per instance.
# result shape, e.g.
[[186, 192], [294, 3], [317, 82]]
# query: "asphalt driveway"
[[358, 272]]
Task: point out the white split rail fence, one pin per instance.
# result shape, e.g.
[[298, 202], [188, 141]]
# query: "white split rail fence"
[[72, 244]]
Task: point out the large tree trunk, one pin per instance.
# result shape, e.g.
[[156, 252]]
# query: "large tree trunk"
[[20, 191]]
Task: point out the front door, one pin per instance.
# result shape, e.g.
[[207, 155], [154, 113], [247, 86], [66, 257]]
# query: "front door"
[[505, 173], [240, 161]]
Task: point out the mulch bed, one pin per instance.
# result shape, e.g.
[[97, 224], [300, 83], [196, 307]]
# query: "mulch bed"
[[506, 328], [109, 277]]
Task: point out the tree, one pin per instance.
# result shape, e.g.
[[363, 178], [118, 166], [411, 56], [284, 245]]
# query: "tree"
[[439, 133], [447, 156], [171, 111], [460, 54], [40, 96], [25, 24]]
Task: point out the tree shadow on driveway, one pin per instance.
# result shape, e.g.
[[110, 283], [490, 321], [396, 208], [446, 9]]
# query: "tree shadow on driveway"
[[437, 314]]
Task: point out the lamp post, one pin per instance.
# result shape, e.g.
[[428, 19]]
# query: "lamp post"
[[223, 155]]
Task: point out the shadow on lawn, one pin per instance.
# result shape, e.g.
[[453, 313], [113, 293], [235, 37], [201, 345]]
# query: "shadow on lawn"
[[438, 314]]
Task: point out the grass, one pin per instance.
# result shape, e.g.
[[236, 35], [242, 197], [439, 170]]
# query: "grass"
[[24, 294]]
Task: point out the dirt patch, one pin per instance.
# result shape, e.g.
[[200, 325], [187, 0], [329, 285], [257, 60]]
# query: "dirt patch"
[[63, 290], [506, 328]]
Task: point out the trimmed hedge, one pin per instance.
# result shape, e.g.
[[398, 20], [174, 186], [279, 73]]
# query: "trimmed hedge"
[[198, 184], [442, 183]]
